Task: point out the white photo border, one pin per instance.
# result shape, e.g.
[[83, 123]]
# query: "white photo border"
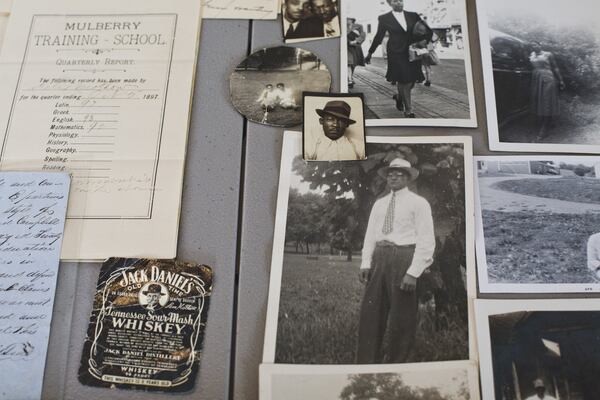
[[486, 308], [470, 122], [292, 147], [490, 102], [268, 372], [485, 287]]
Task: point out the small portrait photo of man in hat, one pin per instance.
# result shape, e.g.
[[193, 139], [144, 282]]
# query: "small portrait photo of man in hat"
[[153, 296], [334, 127]]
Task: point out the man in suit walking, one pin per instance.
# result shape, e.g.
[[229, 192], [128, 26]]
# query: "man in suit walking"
[[404, 28], [296, 24]]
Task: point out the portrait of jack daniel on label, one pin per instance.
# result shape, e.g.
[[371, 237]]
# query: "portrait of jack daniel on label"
[[147, 325]]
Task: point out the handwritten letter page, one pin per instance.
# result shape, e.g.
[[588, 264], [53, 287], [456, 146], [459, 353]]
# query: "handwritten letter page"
[[32, 218], [102, 90], [240, 9]]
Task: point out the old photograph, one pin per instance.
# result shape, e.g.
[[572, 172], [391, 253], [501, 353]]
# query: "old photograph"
[[304, 20], [334, 127], [539, 349], [371, 261], [267, 86], [412, 61], [538, 223], [541, 62], [451, 380]]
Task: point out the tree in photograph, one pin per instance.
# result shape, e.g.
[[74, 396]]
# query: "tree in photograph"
[[387, 387], [305, 224]]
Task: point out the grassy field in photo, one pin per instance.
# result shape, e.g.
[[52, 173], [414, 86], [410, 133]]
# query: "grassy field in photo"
[[248, 85], [319, 309], [582, 190], [525, 247]]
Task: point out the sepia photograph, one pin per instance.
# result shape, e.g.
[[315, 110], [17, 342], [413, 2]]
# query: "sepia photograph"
[[539, 349], [450, 380], [541, 63], [304, 20], [334, 127], [412, 61], [267, 86], [538, 224], [371, 261]]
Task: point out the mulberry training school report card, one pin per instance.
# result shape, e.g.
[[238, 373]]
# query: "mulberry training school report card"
[[102, 90]]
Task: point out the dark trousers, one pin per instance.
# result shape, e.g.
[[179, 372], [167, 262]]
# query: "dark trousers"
[[384, 304]]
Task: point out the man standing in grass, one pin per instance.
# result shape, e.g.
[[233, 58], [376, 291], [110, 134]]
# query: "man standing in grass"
[[398, 247]]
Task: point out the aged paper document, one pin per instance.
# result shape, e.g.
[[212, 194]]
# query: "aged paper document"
[[32, 218], [103, 90], [5, 6], [240, 9]]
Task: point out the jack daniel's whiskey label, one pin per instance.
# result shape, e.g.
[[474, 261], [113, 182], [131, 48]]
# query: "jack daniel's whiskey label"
[[147, 325]]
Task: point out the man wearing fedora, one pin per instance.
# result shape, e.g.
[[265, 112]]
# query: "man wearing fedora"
[[398, 247], [540, 391], [332, 144], [153, 294]]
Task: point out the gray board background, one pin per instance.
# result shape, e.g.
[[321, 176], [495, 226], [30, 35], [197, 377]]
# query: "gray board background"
[[227, 220]]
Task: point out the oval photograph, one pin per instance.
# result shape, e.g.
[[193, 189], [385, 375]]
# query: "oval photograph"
[[267, 86]]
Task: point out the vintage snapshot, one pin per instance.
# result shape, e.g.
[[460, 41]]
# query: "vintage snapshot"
[[541, 69], [334, 127], [106, 98], [539, 349], [450, 380], [147, 325], [267, 86], [33, 208], [412, 61], [303, 20], [538, 223], [359, 244]]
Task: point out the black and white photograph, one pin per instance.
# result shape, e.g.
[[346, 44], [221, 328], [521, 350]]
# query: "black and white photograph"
[[412, 61], [334, 127], [371, 260], [539, 349], [538, 224], [450, 380], [267, 86], [303, 20], [541, 64]]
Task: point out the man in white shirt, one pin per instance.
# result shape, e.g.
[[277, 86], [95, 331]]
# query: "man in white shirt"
[[540, 390], [326, 10], [332, 144], [398, 247], [593, 254]]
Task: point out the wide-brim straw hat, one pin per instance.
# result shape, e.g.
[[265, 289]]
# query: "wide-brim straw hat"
[[401, 164]]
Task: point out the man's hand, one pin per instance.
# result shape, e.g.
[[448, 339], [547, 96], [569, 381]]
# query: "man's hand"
[[363, 275], [368, 59], [409, 283]]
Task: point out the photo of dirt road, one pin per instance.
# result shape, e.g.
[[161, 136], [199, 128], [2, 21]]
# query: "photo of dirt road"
[[537, 217]]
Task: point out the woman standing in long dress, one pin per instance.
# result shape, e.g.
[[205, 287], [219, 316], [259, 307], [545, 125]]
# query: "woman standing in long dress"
[[400, 25], [355, 37], [546, 81]]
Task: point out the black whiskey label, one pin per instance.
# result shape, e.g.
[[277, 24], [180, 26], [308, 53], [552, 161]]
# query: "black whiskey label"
[[147, 325]]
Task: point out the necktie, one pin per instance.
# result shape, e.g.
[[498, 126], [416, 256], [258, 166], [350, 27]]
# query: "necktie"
[[290, 31], [388, 223]]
